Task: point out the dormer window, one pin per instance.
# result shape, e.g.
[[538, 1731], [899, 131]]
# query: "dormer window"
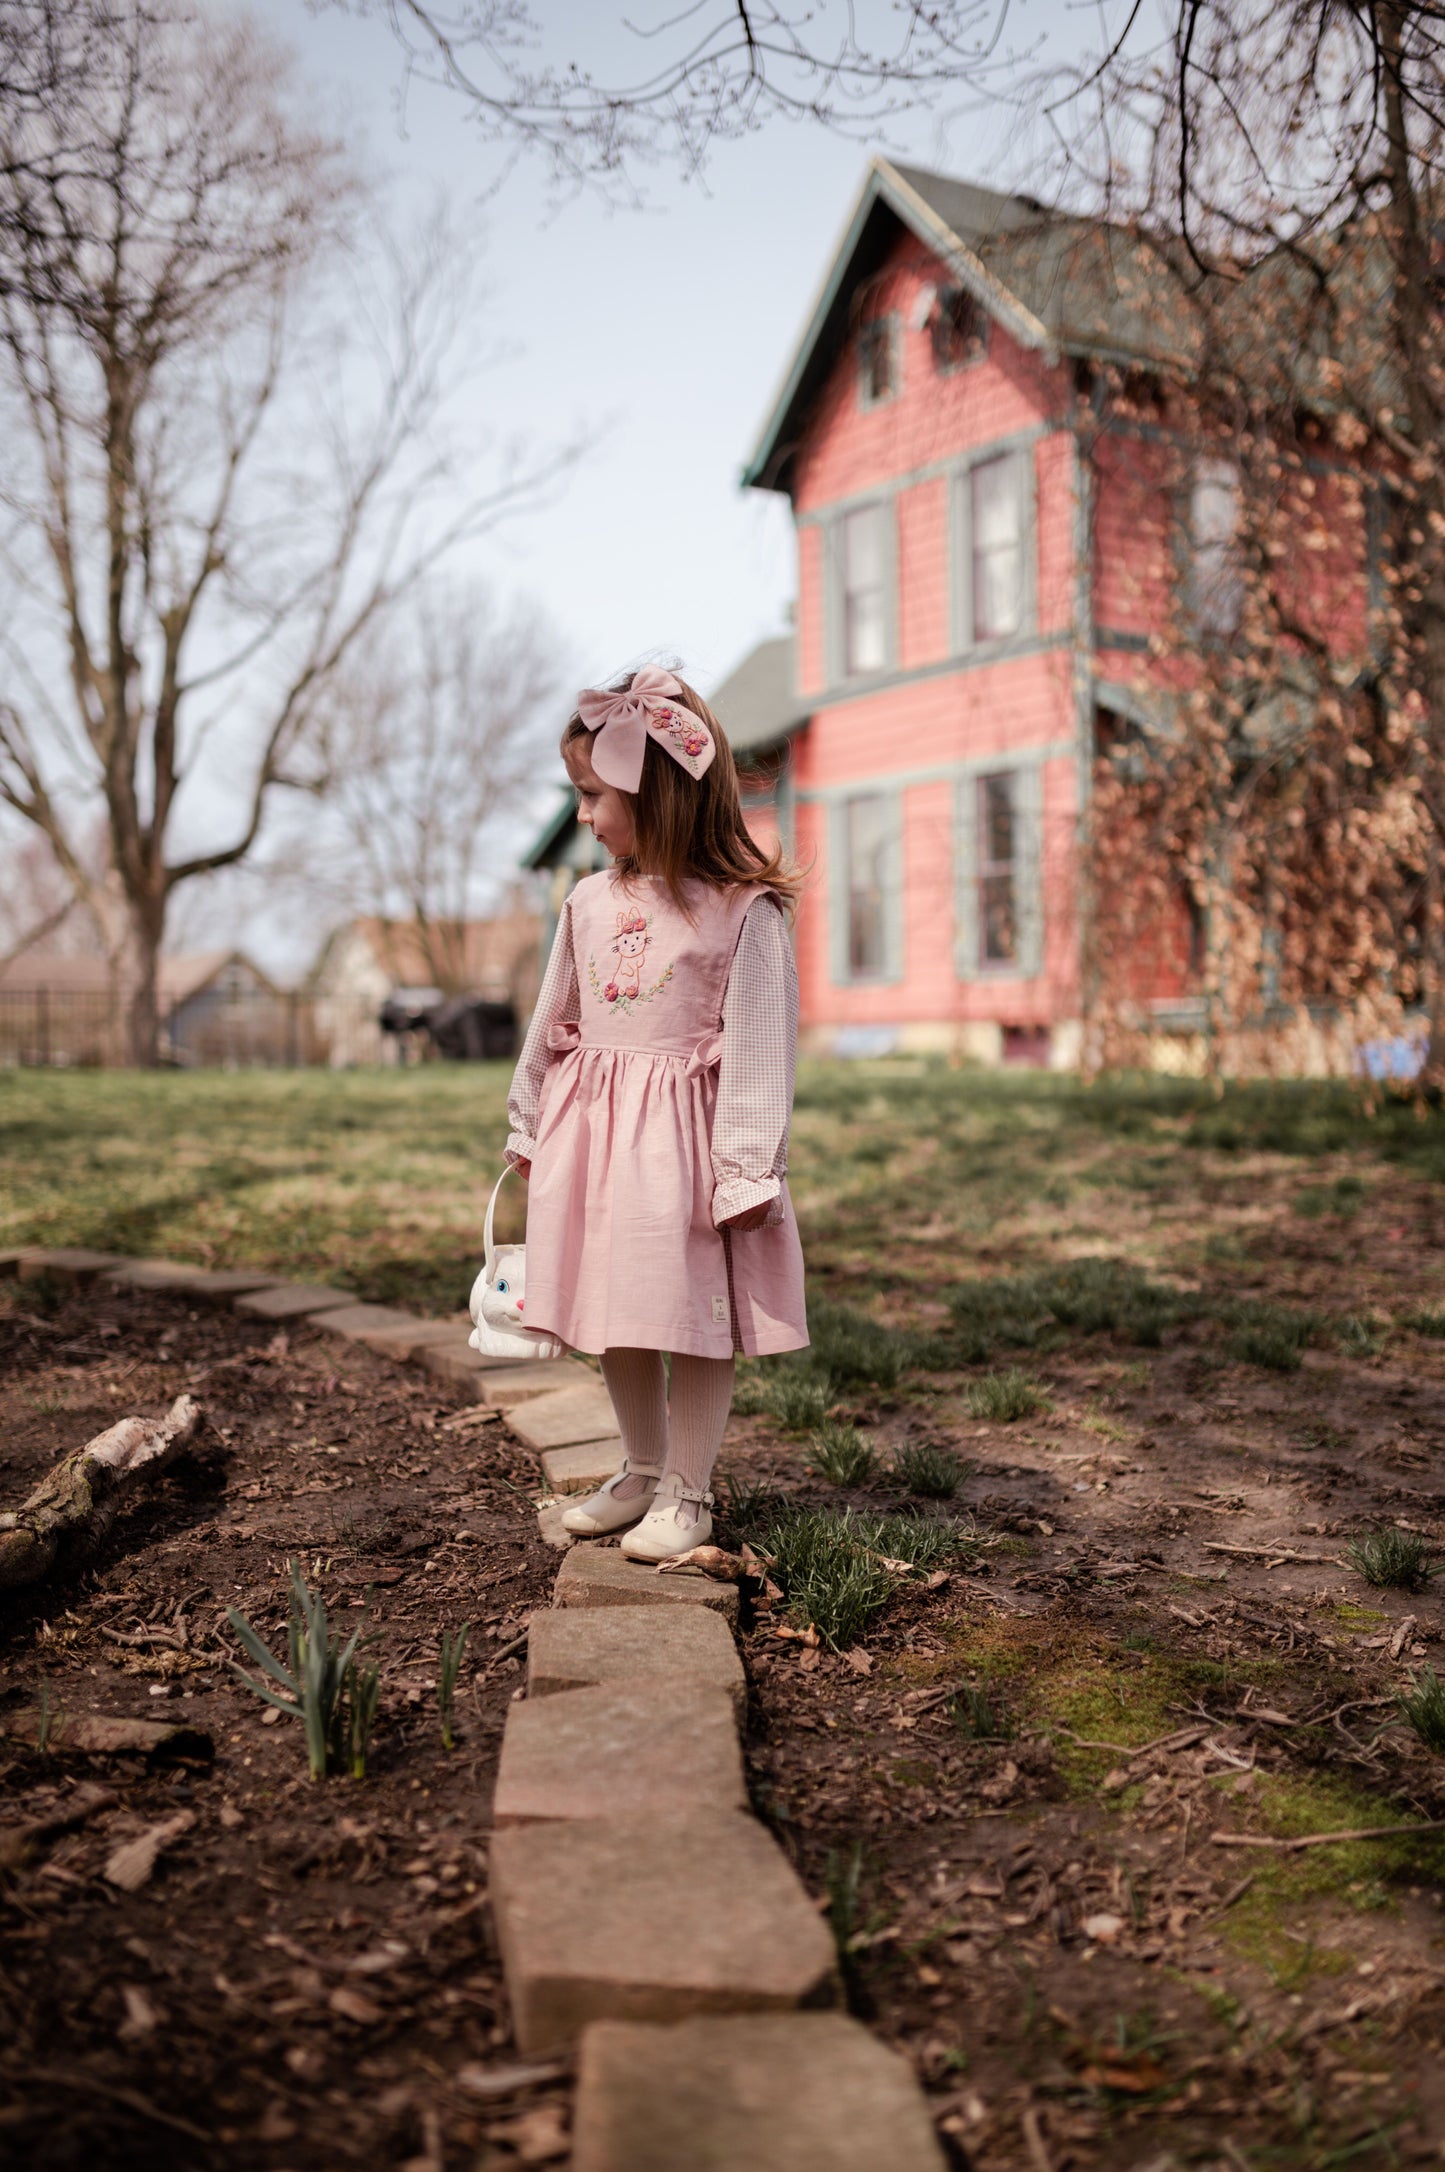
[[959, 328], [877, 362]]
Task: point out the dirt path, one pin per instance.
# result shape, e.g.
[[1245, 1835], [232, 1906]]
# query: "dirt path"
[[1009, 1789], [1033, 1900], [307, 1979]]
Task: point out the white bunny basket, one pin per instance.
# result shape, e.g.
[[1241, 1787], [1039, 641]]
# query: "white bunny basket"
[[497, 1300]]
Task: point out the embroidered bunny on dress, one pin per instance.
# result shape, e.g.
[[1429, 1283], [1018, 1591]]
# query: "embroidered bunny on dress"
[[630, 944]]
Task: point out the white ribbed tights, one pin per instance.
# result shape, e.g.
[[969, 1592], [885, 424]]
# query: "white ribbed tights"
[[682, 1434]]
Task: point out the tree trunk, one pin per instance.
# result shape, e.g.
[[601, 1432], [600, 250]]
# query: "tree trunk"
[[142, 985]]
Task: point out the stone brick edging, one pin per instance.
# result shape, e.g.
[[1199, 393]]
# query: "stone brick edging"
[[648, 1924]]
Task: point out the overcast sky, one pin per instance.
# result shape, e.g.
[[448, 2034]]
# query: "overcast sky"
[[662, 333]]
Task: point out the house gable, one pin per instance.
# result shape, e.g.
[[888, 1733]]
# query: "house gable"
[[1055, 285]]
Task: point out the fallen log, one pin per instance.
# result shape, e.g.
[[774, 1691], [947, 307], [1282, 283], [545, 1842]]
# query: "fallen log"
[[75, 1504], [98, 1734]]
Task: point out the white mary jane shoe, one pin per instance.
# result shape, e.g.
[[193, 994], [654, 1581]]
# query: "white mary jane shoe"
[[661, 1534], [602, 1512]]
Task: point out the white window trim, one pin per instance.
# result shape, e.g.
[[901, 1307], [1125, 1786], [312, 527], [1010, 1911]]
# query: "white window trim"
[[839, 888], [835, 618], [1028, 775], [960, 523], [889, 324]]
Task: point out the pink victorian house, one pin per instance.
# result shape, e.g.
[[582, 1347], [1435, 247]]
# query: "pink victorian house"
[[949, 655], [980, 568]]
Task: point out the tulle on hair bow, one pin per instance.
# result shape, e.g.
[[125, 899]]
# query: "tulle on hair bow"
[[623, 721]]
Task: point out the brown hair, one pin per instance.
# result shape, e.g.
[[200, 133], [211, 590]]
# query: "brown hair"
[[692, 828]]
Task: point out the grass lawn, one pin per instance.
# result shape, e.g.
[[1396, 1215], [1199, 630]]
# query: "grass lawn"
[[904, 1175]]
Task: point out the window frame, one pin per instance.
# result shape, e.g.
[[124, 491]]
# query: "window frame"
[[988, 870], [1026, 773], [835, 593], [841, 888], [961, 525]]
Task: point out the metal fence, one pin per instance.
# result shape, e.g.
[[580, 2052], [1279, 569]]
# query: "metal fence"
[[236, 1030]]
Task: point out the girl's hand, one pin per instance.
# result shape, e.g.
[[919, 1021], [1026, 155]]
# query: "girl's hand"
[[750, 1218], [523, 1169]]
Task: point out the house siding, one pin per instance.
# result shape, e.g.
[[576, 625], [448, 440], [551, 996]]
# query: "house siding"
[[945, 711]]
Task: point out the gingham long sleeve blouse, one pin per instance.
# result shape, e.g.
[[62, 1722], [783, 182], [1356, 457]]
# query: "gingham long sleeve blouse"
[[755, 1078]]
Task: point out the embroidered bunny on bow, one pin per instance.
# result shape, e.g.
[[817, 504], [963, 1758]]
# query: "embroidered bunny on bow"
[[630, 944]]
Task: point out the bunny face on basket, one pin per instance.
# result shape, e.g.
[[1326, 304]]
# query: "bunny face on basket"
[[502, 1301]]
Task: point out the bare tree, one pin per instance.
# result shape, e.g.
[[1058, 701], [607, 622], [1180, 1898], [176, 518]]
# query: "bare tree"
[[431, 743], [1285, 163], [221, 463], [709, 72]]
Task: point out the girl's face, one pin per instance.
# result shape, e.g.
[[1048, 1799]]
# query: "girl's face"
[[601, 808]]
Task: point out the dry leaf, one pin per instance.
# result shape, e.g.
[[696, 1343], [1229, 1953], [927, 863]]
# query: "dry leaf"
[[142, 2018], [378, 1959], [1104, 1929], [354, 2006], [725, 1568], [502, 2081], [130, 1865], [1135, 2078], [1002, 1785], [860, 1661], [937, 1580], [809, 1658], [537, 2137]]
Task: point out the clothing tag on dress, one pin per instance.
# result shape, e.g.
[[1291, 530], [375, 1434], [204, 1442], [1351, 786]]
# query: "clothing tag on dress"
[[720, 1310]]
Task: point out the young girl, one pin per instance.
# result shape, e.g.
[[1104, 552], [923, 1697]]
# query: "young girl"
[[651, 1103]]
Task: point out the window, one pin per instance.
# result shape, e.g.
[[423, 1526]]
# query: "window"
[[877, 362], [958, 328], [997, 871], [865, 590], [1000, 893], [996, 535], [1217, 587], [868, 846]]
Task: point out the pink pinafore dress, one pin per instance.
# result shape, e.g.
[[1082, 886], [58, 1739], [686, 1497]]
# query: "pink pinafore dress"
[[621, 1248]]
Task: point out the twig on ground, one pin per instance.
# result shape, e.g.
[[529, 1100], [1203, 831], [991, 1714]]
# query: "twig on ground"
[[1235, 1893], [1324, 1840], [1183, 1738], [1274, 1555], [508, 1651], [74, 2077], [1038, 2149]]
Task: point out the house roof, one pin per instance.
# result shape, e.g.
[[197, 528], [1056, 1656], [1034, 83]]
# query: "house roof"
[[178, 978], [1059, 284], [542, 852], [758, 704], [474, 953]]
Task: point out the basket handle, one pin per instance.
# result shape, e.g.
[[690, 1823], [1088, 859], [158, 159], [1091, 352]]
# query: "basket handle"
[[489, 1249]]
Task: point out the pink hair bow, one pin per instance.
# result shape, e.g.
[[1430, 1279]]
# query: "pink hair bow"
[[623, 721]]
